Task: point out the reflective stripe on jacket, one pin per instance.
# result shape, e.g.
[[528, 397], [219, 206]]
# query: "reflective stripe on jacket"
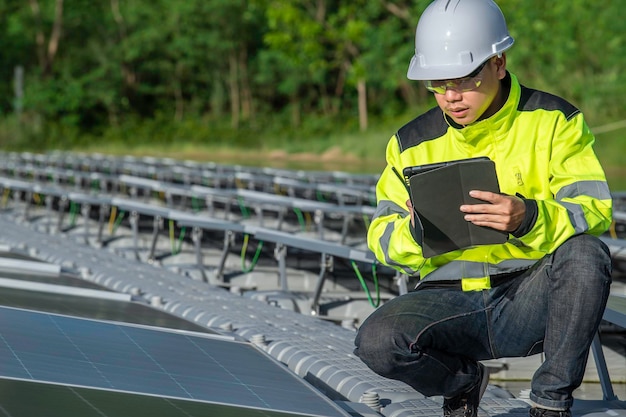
[[542, 149]]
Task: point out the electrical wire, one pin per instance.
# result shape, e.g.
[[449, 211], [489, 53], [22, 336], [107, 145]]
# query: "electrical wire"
[[73, 213], [244, 249], [114, 222], [612, 230], [300, 218], [175, 247], [364, 285], [5, 196], [244, 210]]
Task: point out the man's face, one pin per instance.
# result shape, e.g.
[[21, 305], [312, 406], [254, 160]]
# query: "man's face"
[[465, 107]]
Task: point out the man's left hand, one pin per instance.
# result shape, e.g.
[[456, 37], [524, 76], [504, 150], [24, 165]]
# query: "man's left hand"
[[501, 212]]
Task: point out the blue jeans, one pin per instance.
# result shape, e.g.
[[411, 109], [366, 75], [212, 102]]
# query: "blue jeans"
[[432, 338]]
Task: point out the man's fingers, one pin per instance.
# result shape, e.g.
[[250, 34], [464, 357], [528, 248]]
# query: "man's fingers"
[[487, 196]]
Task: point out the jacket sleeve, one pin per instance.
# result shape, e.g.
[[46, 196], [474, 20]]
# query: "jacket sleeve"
[[580, 200], [390, 236]]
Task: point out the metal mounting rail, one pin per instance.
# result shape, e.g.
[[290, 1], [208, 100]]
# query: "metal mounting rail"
[[615, 313], [135, 209], [198, 223], [327, 250], [318, 208]]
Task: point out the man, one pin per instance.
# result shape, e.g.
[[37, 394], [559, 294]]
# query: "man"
[[545, 289]]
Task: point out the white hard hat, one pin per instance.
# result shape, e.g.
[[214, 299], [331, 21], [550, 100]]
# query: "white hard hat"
[[453, 37]]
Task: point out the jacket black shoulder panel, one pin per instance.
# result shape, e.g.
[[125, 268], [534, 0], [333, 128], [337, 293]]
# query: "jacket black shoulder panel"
[[531, 100], [427, 126]]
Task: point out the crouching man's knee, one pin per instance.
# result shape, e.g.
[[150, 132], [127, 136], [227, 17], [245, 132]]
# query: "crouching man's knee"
[[586, 258], [378, 349]]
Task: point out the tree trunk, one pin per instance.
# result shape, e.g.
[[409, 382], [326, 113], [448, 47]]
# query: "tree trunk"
[[178, 93], [218, 96], [411, 94], [47, 53], [55, 36], [296, 114], [398, 11], [340, 86], [234, 90], [362, 90], [128, 75], [246, 92]]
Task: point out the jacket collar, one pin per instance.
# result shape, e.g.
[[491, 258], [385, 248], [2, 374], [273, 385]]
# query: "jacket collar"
[[501, 121]]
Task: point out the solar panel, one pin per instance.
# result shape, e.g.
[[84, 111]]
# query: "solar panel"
[[94, 308], [138, 360]]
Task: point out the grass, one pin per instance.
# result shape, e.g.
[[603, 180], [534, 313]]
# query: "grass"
[[359, 152]]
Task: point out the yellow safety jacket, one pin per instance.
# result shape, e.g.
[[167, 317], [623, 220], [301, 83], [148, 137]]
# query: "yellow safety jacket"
[[542, 148]]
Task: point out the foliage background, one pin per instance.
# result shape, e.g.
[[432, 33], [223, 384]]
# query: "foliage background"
[[193, 77]]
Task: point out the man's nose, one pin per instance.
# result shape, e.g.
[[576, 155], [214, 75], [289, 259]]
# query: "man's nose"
[[452, 94]]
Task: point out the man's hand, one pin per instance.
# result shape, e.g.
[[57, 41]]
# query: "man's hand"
[[409, 207], [504, 213]]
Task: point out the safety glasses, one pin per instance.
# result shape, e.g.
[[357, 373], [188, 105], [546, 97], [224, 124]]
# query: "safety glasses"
[[461, 85]]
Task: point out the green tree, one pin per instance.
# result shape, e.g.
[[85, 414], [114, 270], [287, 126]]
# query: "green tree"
[[574, 49], [227, 70]]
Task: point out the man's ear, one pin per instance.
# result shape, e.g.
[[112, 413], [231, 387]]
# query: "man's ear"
[[500, 62]]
